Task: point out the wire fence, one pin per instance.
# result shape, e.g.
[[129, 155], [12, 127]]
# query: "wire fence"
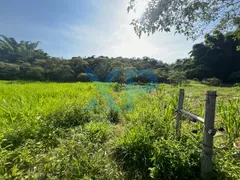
[[212, 140]]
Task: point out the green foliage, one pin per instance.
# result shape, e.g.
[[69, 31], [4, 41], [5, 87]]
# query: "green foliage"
[[14, 52], [98, 132], [9, 71], [15, 137], [230, 118], [177, 78], [133, 153], [215, 57], [114, 116], [83, 77], [69, 117], [191, 18], [212, 81], [227, 164], [175, 160], [68, 131], [116, 87], [47, 134], [75, 158]]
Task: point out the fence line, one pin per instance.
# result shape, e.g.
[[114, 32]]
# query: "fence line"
[[208, 131]]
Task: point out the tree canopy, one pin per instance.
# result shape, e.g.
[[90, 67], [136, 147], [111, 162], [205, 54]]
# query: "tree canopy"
[[12, 51], [189, 17], [215, 57]]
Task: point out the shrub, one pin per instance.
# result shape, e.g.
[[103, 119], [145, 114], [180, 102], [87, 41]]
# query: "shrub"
[[133, 153], [75, 158], [227, 164], [212, 81], [195, 79], [97, 132], [14, 138], [175, 160], [177, 78], [144, 156], [69, 117], [116, 87], [83, 77], [113, 116]]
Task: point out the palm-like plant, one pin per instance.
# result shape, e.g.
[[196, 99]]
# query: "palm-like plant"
[[13, 51]]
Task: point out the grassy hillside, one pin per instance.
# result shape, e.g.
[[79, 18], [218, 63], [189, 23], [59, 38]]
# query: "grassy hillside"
[[108, 131]]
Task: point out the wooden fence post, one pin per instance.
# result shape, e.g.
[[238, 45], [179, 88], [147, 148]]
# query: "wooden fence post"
[[209, 132], [179, 114]]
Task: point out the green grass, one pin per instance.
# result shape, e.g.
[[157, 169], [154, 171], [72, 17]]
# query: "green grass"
[[109, 131]]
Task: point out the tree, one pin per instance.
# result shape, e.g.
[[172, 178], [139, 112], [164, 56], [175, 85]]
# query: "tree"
[[190, 17], [35, 73], [62, 73], [218, 54], [24, 51], [162, 74], [39, 54], [9, 71], [78, 64], [84, 77], [215, 57], [177, 78]]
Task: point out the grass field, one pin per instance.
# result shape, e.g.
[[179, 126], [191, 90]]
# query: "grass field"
[[108, 131]]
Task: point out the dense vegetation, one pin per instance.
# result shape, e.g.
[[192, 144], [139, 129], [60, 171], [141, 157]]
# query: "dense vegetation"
[[123, 131], [216, 57], [71, 131]]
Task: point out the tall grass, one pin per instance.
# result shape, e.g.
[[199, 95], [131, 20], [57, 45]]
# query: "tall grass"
[[229, 113], [108, 131]]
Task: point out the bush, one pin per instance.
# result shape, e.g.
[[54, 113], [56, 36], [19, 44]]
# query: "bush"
[[195, 79], [133, 153], [212, 81], [69, 117], [144, 156], [116, 87], [177, 78], [175, 160], [14, 138], [75, 158], [83, 77], [97, 132], [113, 116]]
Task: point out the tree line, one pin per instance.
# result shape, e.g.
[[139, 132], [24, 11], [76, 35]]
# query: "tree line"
[[216, 57]]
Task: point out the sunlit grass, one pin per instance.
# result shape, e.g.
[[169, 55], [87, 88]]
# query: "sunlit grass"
[[109, 131]]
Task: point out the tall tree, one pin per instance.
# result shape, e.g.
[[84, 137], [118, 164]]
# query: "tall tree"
[[190, 17], [216, 57], [12, 51]]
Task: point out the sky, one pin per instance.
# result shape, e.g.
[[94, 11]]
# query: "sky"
[[70, 28]]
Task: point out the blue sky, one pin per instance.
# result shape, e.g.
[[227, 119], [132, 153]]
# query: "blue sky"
[[68, 28]]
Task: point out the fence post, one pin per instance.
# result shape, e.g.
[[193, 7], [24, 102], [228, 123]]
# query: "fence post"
[[179, 114], [209, 132]]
